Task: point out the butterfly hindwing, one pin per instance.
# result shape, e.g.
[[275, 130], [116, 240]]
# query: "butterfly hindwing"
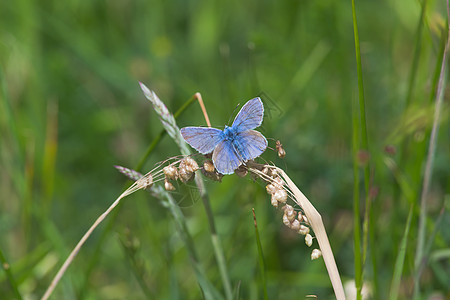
[[250, 144], [250, 116], [202, 139], [225, 158]]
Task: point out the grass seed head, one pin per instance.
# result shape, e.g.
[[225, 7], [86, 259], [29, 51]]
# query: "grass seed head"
[[315, 254], [295, 225], [170, 172], [208, 166], [274, 202], [280, 196], [168, 185], [305, 220], [303, 230], [185, 174], [189, 164], [145, 182], [270, 188], [286, 220], [308, 240]]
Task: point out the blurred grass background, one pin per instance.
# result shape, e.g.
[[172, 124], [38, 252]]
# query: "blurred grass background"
[[71, 108]]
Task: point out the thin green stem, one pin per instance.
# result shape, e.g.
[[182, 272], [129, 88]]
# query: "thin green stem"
[[364, 144], [218, 251], [415, 62], [137, 267], [356, 213], [399, 262], [402, 149], [430, 158], [7, 267], [262, 265]]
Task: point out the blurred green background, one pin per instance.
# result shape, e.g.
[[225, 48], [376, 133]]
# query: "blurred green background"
[[71, 108]]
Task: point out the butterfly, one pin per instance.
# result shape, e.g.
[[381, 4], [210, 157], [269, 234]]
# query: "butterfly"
[[234, 145]]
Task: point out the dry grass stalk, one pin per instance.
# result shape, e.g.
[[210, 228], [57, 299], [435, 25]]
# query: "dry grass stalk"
[[145, 182], [314, 219]]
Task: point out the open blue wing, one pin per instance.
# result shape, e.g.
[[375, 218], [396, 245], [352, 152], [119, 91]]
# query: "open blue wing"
[[250, 116], [202, 139], [225, 158], [250, 144]]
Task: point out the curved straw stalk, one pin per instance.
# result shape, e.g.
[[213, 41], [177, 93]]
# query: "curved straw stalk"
[[315, 221]]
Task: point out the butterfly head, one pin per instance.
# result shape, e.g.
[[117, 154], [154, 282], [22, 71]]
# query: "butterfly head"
[[229, 133]]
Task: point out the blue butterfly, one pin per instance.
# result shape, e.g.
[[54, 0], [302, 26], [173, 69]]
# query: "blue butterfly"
[[234, 145]]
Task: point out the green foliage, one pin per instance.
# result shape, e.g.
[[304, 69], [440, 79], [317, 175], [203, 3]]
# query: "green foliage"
[[71, 108]]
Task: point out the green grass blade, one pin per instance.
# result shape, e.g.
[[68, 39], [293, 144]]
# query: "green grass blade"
[[262, 265], [430, 160], [395, 284], [364, 146], [7, 268], [356, 200], [130, 245]]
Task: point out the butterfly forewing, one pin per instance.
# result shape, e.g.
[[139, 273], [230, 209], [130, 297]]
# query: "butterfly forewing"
[[202, 139], [225, 158], [250, 144], [250, 116]]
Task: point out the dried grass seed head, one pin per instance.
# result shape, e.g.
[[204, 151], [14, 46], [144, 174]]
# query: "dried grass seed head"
[[168, 185], [208, 166], [185, 174], [303, 230], [274, 202], [280, 196], [170, 172], [145, 182], [286, 220], [290, 212], [189, 164], [308, 240], [315, 254], [270, 188], [273, 173], [295, 225], [305, 219], [278, 182]]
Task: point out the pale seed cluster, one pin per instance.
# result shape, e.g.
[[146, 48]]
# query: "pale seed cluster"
[[185, 172], [296, 221], [145, 182], [275, 188]]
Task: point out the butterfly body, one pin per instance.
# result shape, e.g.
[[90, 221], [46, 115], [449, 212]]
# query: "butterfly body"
[[235, 144]]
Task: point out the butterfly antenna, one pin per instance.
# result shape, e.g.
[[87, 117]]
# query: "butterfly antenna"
[[234, 110]]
